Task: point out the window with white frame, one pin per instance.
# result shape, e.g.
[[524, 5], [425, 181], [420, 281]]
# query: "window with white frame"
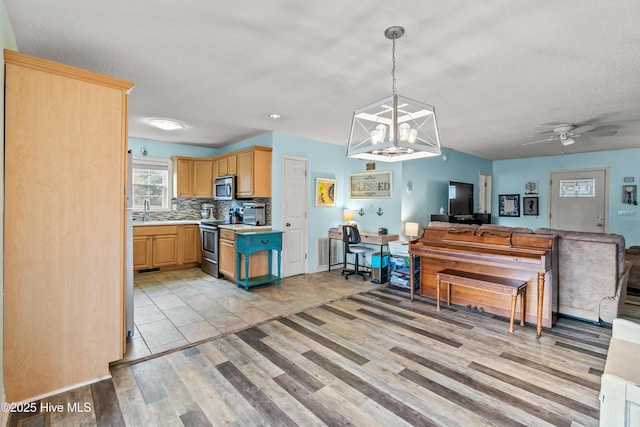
[[151, 182]]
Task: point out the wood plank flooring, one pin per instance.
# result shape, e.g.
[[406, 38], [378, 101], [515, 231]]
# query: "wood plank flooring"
[[373, 359]]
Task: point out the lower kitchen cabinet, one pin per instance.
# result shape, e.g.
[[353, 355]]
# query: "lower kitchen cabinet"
[[259, 262], [190, 244], [166, 247]]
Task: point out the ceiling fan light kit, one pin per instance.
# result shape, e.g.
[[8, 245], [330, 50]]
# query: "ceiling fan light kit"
[[395, 128]]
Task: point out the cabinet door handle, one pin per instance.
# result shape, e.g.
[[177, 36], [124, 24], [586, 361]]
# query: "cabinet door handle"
[[264, 242]]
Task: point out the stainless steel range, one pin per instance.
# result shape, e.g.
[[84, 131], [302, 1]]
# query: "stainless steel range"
[[209, 235]]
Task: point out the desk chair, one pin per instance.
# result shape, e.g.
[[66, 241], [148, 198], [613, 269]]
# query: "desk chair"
[[351, 238]]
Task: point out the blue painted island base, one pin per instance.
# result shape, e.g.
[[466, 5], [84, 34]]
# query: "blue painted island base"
[[251, 242]]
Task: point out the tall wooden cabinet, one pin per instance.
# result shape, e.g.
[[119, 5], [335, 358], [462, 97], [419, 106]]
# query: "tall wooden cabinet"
[[253, 168], [64, 225]]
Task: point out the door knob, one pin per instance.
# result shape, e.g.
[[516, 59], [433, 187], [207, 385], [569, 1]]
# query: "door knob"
[[599, 225], [288, 224]]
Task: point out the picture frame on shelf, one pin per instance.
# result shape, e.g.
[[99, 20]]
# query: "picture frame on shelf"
[[326, 191], [530, 206], [509, 205]]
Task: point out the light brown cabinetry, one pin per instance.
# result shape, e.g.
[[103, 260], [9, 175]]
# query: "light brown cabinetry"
[[69, 299], [192, 177], [190, 244], [253, 168], [224, 165], [258, 262], [165, 247]]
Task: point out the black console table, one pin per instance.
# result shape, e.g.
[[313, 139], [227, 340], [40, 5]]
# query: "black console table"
[[478, 218]]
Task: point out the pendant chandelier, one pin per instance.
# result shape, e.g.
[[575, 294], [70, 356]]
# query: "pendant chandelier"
[[395, 128]]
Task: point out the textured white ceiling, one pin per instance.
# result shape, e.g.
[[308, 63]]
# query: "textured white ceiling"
[[495, 70]]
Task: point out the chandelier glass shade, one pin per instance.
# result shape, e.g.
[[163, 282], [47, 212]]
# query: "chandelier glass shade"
[[395, 128]]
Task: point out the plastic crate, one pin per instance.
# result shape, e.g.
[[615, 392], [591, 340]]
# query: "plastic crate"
[[378, 261]]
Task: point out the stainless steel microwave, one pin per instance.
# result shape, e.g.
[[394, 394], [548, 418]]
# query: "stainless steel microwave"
[[224, 188]]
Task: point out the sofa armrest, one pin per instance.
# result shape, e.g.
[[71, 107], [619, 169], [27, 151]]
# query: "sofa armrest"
[[626, 330]]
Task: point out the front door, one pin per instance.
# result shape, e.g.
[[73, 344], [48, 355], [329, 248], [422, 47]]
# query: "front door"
[[294, 209], [578, 199]]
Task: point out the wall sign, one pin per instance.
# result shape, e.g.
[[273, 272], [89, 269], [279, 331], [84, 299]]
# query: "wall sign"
[[370, 185]]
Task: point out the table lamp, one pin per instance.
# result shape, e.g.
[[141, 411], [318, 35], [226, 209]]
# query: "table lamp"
[[348, 215], [411, 229]]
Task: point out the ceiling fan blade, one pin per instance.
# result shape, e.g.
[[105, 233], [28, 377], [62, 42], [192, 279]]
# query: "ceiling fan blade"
[[545, 132], [603, 133], [555, 124], [540, 141], [582, 129]]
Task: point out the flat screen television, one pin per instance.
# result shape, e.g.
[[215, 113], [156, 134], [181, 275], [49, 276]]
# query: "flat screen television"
[[460, 198]]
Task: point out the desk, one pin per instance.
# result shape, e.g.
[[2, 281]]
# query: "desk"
[[366, 237]]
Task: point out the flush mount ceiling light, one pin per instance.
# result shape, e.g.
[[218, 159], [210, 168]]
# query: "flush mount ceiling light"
[[166, 124], [375, 126], [275, 116]]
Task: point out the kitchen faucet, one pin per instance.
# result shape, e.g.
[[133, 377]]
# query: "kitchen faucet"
[[145, 210]]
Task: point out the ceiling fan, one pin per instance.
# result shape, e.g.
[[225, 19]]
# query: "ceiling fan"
[[567, 133]]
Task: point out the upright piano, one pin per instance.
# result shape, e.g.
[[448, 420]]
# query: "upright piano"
[[495, 251]]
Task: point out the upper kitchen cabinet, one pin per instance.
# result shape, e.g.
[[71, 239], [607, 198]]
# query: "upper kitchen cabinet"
[[192, 177], [224, 165], [253, 168], [64, 270]]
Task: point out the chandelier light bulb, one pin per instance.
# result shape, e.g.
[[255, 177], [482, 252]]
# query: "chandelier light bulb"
[[403, 130], [413, 135]]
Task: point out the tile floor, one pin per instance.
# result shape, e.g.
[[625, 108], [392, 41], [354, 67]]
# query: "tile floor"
[[177, 308]]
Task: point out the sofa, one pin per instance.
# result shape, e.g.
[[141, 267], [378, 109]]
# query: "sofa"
[[632, 254], [620, 383], [591, 269], [592, 274]]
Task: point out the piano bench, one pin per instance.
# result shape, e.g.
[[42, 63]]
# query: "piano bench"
[[500, 285]]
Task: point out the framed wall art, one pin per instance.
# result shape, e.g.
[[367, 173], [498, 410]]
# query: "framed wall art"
[[509, 205], [530, 187], [530, 206], [370, 185], [326, 192]]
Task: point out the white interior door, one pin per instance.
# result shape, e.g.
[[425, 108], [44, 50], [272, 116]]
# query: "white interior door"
[[295, 201], [484, 192], [578, 199]]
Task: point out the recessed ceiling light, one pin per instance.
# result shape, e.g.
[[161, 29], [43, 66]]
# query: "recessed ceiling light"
[[275, 116], [166, 124]]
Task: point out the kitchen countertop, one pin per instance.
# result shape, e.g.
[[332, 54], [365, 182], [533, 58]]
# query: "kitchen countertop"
[[168, 222], [235, 227], [244, 227]]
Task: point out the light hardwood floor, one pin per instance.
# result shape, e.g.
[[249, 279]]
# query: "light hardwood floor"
[[371, 359]]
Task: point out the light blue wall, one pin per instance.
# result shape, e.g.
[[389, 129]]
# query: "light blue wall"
[[429, 179], [325, 161], [165, 150], [509, 177]]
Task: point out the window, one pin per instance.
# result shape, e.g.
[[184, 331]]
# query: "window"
[[150, 178]]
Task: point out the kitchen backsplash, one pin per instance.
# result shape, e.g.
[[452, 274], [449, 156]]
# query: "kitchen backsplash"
[[186, 209]]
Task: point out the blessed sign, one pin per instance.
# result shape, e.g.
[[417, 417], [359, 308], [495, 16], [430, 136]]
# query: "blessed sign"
[[370, 185]]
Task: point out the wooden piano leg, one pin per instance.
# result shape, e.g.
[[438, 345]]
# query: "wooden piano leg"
[[540, 300]]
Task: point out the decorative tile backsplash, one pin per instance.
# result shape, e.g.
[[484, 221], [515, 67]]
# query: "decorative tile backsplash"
[[190, 209]]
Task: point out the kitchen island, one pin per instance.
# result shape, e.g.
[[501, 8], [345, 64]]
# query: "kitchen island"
[[250, 242]]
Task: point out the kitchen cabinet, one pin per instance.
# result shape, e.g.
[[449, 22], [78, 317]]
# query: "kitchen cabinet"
[[190, 236], [66, 297], [192, 177], [259, 262], [253, 168], [224, 165], [165, 247]]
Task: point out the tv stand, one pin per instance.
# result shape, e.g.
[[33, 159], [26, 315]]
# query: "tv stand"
[[477, 218]]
